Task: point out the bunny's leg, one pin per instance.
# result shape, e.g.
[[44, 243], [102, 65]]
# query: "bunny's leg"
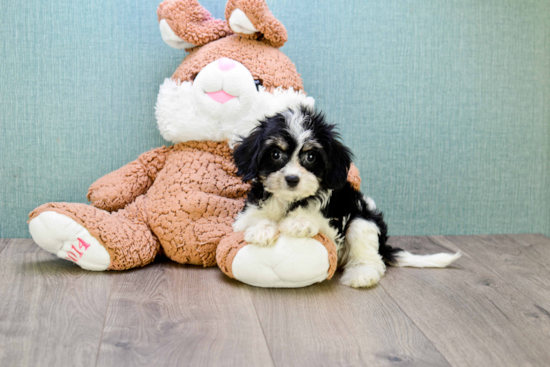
[[95, 239], [191, 225], [290, 263]]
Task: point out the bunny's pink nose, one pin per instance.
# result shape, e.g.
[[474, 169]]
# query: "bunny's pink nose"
[[226, 64]]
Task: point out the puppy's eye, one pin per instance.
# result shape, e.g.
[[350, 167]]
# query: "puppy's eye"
[[258, 83], [310, 157], [276, 155]]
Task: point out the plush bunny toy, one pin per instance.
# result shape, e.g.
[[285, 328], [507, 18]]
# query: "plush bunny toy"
[[182, 200]]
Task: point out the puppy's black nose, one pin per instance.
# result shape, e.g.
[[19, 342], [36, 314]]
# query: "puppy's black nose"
[[292, 181]]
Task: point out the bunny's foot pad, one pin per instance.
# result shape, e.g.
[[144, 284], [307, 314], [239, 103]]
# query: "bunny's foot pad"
[[289, 263], [64, 237]]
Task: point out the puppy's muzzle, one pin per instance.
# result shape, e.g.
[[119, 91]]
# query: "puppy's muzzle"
[[292, 181]]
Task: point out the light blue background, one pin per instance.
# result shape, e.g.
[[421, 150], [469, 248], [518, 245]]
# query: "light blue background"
[[445, 103]]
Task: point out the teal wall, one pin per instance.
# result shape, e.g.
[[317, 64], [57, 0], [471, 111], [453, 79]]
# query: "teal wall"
[[445, 103]]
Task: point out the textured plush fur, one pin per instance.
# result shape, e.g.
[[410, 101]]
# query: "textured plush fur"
[[298, 168]]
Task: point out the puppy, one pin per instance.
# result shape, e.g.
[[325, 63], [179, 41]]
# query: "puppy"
[[298, 170]]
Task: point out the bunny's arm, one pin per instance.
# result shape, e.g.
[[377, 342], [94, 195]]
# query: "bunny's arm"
[[354, 178], [119, 188]]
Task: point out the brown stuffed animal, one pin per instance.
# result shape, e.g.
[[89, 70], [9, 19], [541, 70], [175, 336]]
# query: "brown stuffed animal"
[[183, 199]]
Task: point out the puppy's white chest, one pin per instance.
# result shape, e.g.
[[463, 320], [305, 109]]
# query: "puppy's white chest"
[[274, 209]]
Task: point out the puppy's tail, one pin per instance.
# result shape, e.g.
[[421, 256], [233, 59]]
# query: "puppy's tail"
[[398, 257], [401, 258]]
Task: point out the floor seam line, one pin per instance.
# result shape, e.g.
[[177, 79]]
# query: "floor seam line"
[[416, 325], [8, 240], [104, 321], [263, 332]]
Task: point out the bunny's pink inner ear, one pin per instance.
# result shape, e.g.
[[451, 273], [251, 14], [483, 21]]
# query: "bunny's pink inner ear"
[[186, 24], [253, 19]]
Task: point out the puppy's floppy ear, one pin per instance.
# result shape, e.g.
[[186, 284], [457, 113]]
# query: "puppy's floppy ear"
[[246, 153], [339, 162]]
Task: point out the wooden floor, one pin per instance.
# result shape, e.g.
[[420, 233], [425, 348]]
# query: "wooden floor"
[[491, 309]]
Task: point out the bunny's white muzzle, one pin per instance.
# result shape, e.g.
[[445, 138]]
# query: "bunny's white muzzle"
[[222, 103], [224, 89]]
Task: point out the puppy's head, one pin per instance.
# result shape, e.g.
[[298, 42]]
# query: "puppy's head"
[[294, 154]]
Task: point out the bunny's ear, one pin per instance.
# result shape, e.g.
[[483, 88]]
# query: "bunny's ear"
[[186, 24], [252, 19]]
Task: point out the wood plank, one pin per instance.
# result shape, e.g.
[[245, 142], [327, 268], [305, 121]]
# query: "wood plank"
[[168, 314], [472, 315], [538, 246], [329, 324], [51, 311], [23, 246], [520, 260]]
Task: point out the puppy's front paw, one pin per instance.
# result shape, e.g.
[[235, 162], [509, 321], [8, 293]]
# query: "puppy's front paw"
[[262, 234], [360, 276], [299, 226]]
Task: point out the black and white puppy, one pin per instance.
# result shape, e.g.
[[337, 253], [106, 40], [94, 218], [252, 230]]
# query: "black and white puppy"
[[298, 169]]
